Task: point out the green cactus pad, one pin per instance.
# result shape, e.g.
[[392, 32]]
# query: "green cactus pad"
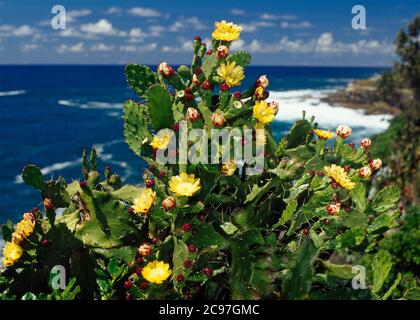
[[33, 176], [136, 130], [159, 105], [140, 78], [241, 58]]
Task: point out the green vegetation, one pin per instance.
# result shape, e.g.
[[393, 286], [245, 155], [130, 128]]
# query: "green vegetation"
[[195, 230]]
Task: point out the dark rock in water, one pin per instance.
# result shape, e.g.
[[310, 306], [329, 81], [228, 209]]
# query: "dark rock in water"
[[364, 94]]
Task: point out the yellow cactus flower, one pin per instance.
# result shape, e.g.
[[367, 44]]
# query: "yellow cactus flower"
[[260, 137], [263, 112], [11, 253], [338, 174], [143, 202], [225, 31], [230, 73], [25, 228], [184, 184], [323, 134], [228, 168], [161, 140], [156, 272]]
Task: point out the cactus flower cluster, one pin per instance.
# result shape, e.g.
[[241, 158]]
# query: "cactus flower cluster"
[[207, 229]]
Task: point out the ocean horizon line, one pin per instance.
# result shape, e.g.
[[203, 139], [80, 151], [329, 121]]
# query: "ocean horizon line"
[[178, 64]]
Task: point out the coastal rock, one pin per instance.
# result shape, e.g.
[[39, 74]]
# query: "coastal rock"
[[364, 94]]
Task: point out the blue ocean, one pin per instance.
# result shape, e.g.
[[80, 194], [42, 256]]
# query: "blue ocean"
[[50, 113]]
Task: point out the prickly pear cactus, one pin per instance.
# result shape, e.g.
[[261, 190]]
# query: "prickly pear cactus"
[[209, 230]]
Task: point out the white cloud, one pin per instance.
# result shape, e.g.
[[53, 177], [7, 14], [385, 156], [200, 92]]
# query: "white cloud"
[[296, 25], [190, 23], [148, 47], [168, 49], [114, 11], [238, 12], [79, 47], [102, 27], [72, 15], [237, 45], [44, 23], [24, 31], [255, 25], [74, 33], [29, 47], [128, 48], [269, 16], [157, 30], [7, 30], [102, 47], [144, 12], [186, 45], [325, 44], [137, 33], [139, 48]]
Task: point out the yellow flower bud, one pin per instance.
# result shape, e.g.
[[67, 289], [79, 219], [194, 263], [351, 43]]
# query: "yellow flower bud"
[[343, 131], [165, 69], [259, 93], [144, 250], [365, 143], [365, 172], [333, 208], [375, 164], [228, 168], [48, 204], [218, 120], [222, 51], [193, 114], [195, 80], [263, 81], [168, 203]]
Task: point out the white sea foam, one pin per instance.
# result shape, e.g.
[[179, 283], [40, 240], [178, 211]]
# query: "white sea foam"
[[100, 150], [90, 104], [11, 93], [53, 168], [115, 114], [127, 169], [292, 103]]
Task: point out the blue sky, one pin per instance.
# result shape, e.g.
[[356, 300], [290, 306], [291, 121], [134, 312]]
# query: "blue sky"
[[300, 32]]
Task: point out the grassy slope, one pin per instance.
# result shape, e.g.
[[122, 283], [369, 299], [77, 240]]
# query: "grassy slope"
[[383, 143]]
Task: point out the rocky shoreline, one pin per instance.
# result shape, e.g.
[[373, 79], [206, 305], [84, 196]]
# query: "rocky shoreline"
[[363, 94]]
